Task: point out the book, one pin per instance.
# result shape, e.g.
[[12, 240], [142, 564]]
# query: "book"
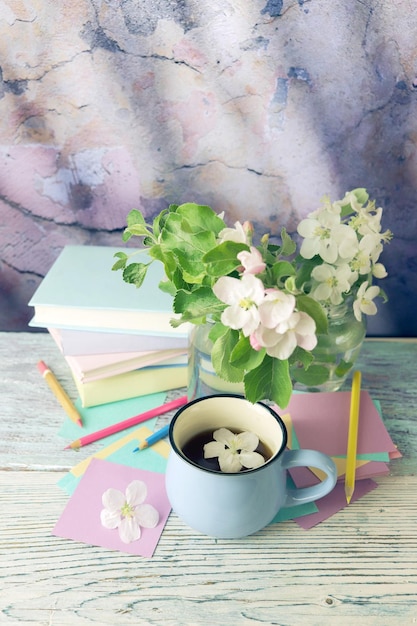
[[95, 366], [78, 342], [80, 291], [140, 382]]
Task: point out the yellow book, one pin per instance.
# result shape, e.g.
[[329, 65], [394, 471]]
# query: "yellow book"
[[140, 382]]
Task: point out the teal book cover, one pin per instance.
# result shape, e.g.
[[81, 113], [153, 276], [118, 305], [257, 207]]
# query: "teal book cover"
[[81, 291]]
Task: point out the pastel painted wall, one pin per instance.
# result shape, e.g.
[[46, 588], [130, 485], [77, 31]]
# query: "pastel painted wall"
[[258, 108]]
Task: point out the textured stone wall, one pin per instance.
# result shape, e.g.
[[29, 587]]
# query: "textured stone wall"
[[258, 108]]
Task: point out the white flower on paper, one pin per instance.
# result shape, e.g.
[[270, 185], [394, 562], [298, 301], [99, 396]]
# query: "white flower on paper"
[[127, 511], [234, 451], [243, 297], [364, 301]]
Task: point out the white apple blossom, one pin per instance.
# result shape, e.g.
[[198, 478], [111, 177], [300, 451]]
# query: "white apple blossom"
[[276, 307], [127, 512], [243, 297], [328, 241], [364, 300], [234, 451], [252, 261], [280, 342], [333, 282], [240, 234]]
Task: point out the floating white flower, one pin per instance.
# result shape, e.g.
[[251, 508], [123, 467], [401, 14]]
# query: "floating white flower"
[[234, 451], [364, 300], [243, 297], [127, 512]]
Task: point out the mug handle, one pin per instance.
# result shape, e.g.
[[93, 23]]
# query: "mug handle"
[[309, 458]]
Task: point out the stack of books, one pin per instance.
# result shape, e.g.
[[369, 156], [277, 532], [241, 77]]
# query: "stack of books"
[[117, 340]]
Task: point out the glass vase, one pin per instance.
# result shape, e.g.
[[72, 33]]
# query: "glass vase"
[[338, 350], [202, 379]]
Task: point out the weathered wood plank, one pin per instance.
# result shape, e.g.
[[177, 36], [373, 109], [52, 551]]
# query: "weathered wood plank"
[[359, 564]]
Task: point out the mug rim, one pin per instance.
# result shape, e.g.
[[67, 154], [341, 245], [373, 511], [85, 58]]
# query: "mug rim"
[[245, 472]]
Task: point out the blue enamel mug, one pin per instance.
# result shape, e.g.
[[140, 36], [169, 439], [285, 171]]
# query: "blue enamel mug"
[[236, 504]]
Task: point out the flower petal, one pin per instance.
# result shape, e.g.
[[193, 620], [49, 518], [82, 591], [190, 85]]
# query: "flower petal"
[[113, 499], [110, 519], [213, 449], [229, 462], [136, 492], [251, 460], [129, 530], [147, 516], [247, 441], [224, 435]]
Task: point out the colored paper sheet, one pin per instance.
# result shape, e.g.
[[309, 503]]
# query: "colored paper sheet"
[[153, 458], [321, 421], [98, 417], [80, 520], [334, 502], [291, 512]]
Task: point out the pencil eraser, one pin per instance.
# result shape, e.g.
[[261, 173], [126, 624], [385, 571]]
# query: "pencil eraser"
[[42, 367]]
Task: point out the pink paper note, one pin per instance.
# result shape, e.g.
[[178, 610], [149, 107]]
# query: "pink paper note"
[[321, 422], [80, 519], [335, 501]]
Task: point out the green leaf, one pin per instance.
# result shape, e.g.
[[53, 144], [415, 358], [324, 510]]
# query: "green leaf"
[[313, 376], [288, 245], [121, 262], [361, 195], [282, 269], [315, 310], [200, 217], [188, 247], [222, 259], [136, 224], [222, 348], [343, 367], [197, 303], [269, 381], [135, 273], [244, 356]]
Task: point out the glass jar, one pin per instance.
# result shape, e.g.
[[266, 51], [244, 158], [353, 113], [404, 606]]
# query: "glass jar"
[[202, 379], [339, 349]]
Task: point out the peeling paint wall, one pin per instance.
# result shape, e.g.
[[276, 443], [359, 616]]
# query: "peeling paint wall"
[[257, 108]]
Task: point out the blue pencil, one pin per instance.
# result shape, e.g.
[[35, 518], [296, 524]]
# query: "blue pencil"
[[157, 436]]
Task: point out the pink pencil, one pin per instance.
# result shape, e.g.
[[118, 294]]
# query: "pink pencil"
[[132, 421]]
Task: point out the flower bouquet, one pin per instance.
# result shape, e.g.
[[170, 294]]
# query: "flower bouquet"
[[267, 302]]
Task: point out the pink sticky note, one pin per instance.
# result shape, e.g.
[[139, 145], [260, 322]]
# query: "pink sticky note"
[[321, 422], [80, 519], [334, 502]]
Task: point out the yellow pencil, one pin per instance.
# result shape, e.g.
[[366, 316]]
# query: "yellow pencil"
[[60, 393], [352, 436]]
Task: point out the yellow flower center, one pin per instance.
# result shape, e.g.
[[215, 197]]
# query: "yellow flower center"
[[127, 510]]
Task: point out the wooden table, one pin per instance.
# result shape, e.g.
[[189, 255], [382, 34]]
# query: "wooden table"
[[358, 567]]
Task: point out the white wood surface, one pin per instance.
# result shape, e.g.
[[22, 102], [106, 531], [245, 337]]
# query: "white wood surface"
[[358, 567]]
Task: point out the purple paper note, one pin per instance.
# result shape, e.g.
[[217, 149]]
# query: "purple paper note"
[[80, 519], [334, 502]]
